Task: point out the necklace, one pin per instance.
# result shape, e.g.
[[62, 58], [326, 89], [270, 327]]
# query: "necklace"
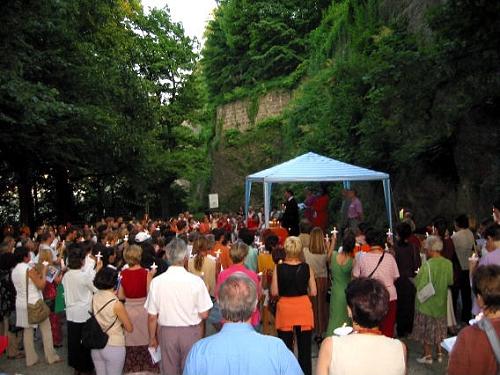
[[374, 249], [370, 331]]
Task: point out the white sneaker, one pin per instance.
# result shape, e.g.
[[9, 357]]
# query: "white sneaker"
[[426, 360]]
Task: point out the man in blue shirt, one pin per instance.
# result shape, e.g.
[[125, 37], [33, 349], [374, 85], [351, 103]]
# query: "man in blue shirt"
[[238, 349]]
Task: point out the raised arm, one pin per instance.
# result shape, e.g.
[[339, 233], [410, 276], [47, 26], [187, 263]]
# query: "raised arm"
[[38, 278]]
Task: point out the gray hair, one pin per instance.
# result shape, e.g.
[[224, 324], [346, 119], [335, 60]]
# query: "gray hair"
[[237, 297], [433, 243], [176, 251]]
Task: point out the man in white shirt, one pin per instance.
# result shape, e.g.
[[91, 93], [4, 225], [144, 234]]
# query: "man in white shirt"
[[178, 301], [78, 292]]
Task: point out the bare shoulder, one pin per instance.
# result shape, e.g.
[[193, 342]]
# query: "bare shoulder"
[[327, 344]]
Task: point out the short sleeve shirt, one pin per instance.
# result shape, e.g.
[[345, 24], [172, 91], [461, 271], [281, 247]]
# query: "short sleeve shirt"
[[177, 297], [442, 277], [387, 272]]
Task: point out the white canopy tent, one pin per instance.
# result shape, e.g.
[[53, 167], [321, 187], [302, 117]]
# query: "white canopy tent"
[[314, 167]]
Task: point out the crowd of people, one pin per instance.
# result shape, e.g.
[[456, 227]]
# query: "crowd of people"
[[156, 288]]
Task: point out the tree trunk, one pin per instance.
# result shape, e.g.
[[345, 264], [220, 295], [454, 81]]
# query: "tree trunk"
[[64, 196], [26, 207]]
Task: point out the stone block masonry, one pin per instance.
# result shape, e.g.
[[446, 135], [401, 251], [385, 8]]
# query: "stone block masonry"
[[242, 114]]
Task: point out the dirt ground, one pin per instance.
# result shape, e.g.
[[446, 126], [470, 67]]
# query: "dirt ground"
[[17, 367]]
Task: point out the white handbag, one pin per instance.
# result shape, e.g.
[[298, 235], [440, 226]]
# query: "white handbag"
[[428, 290]]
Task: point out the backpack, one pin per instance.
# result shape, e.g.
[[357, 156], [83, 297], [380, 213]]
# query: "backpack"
[[93, 337]]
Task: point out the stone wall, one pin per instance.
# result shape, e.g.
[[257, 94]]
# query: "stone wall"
[[242, 114]]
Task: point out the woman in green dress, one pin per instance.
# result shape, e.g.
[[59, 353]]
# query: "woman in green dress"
[[341, 268]]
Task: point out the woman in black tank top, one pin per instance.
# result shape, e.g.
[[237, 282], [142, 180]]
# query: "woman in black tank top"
[[293, 281]]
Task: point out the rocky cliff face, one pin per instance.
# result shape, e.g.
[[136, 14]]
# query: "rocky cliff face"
[[243, 114]]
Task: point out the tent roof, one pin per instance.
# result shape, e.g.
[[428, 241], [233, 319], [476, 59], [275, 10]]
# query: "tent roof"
[[314, 167]]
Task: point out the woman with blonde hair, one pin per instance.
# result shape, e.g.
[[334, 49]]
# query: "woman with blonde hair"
[[293, 281], [134, 287], [49, 294], [316, 256], [29, 284], [203, 266]]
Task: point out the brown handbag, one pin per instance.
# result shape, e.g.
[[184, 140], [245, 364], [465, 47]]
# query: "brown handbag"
[[38, 311]]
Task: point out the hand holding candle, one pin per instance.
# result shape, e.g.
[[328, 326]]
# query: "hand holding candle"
[[342, 331], [334, 232], [154, 268]]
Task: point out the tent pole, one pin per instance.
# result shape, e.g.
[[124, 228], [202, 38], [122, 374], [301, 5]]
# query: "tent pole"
[[388, 200], [248, 190], [267, 201]]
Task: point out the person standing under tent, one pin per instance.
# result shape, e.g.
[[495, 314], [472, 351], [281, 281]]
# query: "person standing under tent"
[[290, 218]]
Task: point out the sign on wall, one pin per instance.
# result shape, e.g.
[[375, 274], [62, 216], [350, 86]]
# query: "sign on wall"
[[213, 200]]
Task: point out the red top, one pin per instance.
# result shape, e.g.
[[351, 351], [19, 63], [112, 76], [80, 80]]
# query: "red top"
[[134, 283], [472, 353], [321, 207], [252, 223], [414, 240], [204, 228]]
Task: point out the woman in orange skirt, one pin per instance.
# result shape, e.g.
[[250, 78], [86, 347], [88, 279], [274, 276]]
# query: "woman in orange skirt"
[[293, 281]]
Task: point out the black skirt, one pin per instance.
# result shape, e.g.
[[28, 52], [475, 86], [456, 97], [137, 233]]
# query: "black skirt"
[[78, 355]]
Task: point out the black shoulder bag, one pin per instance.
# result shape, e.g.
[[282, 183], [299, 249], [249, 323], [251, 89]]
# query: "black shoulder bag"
[[93, 337]]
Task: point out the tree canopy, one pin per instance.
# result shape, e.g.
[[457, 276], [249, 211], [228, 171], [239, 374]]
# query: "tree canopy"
[[249, 42], [90, 96]]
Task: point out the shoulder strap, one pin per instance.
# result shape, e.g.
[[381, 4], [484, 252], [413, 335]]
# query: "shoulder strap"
[[378, 264], [106, 304], [429, 269], [485, 325], [27, 286], [98, 311]]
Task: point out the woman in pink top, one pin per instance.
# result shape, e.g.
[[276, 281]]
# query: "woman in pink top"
[[238, 252], [380, 265]]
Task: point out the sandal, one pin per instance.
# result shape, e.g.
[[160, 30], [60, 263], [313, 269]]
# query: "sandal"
[[17, 356], [59, 360]]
